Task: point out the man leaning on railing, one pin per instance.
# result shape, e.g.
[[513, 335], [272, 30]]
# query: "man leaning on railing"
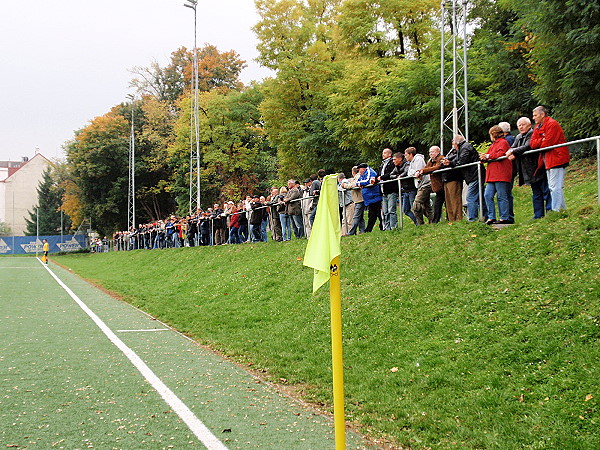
[[546, 133]]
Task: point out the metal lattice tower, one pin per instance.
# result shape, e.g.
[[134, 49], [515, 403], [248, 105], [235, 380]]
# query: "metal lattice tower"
[[195, 123], [454, 117], [131, 189]]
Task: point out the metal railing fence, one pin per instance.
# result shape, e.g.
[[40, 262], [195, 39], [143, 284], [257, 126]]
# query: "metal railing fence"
[[399, 180]]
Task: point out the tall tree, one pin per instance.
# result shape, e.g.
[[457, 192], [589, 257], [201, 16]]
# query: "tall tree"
[[98, 157], [154, 122], [383, 28], [564, 57], [47, 211], [167, 84], [4, 229], [235, 156], [297, 38]]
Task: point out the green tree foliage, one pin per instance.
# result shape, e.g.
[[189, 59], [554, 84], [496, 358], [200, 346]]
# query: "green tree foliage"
[[500, 81], [383, 28], [154, 122], [46, 213], [297, 38], [385, 103], [564, 58], [235, 157], [4, 229], [407, 104]]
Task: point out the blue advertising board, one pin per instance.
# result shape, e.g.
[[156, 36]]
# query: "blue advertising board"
[[23, 245]]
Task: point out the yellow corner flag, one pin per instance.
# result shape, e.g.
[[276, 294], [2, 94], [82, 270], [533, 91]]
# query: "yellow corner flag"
[[324, 242], [323, 255]]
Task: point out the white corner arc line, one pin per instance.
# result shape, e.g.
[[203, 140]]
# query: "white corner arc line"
[[195, 425]]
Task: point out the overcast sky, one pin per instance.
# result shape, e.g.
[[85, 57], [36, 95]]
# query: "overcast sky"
[[64, 62]]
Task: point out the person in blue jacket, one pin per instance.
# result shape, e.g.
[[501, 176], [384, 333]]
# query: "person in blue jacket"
[[367, 181]]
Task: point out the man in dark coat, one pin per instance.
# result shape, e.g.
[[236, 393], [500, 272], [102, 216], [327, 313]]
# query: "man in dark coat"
[[389, 191], [437, 186], [466, 155], [256, 219], [293, 207], [409, 190]]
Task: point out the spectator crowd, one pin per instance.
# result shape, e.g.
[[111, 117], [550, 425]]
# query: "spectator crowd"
[[420, 186]]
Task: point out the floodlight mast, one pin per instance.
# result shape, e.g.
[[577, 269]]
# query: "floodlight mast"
[[194, 149], [131, 185], [454, 17]]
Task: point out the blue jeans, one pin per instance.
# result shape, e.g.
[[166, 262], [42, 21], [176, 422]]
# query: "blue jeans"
[[234, 237], [540, 196], [389, 205], [298, 226], [473, 202], [502, 190], [255, 234], [408, 197], [358, 221], [286, 227], [243, 233], [556, 182], [313, 213], [263, 230]]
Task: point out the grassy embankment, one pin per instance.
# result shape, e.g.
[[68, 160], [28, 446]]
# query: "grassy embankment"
[[455, 335]]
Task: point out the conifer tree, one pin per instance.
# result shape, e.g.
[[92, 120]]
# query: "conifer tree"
[[48, 208]]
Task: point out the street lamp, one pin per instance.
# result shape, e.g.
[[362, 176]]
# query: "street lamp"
[[195, 150]]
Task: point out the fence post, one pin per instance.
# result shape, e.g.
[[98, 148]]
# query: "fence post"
[[480, 186], [401, 207], [344, 221], [598, 166]]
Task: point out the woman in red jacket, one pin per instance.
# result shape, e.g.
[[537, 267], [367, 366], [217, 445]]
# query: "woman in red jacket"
[[498, 178]]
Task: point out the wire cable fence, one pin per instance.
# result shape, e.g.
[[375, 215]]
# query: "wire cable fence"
[[200, 230]]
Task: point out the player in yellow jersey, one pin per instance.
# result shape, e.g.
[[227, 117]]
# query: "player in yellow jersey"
[[46, 250]]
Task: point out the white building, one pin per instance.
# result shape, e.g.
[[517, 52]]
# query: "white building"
[[19, 181]]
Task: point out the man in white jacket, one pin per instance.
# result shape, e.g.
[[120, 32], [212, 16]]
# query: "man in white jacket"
[[422, 204]]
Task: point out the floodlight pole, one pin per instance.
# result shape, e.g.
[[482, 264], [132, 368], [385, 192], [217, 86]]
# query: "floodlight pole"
[[456, 11], [37, 229], [195, 150], [131, 188]]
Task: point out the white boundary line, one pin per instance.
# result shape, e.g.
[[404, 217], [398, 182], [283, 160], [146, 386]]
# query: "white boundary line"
[[143, 331], [196, 426]]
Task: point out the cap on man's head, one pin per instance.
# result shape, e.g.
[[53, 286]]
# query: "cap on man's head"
[[363, 166]]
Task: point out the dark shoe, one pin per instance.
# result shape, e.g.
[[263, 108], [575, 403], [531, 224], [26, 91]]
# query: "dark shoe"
[[505, 222], [490, 222]]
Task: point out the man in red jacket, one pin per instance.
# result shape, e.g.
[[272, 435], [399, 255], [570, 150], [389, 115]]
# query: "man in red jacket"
[[546, 133]]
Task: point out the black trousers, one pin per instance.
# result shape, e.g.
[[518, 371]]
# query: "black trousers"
[[438, 204], [373, 213]]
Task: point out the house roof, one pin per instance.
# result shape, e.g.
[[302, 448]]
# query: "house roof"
[[14, 166]]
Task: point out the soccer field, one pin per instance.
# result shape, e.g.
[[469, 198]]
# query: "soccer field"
[[80, 369]]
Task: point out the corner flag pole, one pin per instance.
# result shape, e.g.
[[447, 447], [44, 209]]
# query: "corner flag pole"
[[336, 353], [323, 254]]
